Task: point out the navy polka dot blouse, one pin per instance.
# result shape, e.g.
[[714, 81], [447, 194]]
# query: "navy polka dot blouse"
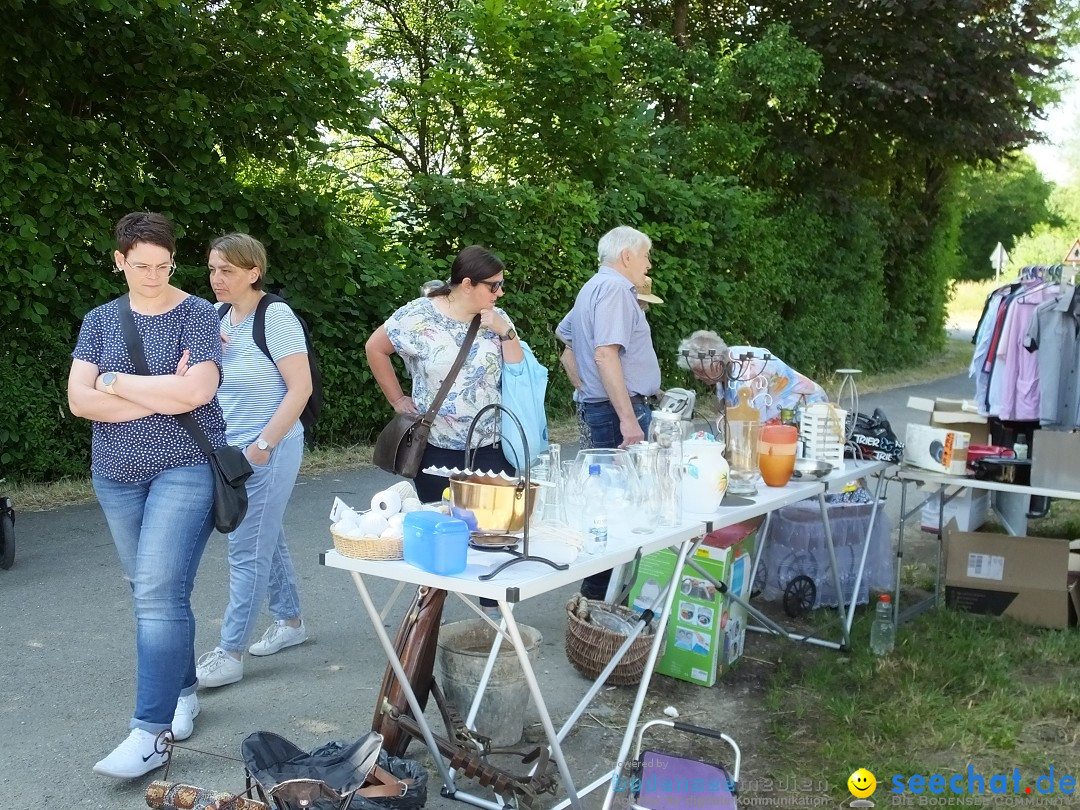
[[139, 449]]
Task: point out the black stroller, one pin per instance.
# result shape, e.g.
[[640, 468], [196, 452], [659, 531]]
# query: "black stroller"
[[7, 533]]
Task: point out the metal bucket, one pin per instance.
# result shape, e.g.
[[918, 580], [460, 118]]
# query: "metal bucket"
[[463, 653]]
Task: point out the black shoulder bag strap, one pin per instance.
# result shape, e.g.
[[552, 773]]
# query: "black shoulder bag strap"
[[138, 359], [444, 389]]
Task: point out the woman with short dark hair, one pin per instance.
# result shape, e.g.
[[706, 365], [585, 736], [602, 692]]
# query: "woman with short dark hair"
[[152, 480]]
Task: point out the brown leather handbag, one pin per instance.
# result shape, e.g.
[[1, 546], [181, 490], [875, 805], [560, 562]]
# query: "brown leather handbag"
[[401, 444]]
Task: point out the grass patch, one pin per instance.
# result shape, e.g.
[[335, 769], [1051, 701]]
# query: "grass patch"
[[326, 459], [38, 497], [958, 690], [1062, 521]]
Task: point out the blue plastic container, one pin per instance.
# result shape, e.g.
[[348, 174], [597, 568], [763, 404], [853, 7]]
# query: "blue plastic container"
[[435, 542]]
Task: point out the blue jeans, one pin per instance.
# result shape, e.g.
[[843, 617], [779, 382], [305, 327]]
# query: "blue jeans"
[[160, 527], [598, 424], [259, 560]]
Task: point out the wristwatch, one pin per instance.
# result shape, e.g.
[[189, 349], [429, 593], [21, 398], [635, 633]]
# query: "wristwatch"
[[263, 444], [509, 335], [107, 380]]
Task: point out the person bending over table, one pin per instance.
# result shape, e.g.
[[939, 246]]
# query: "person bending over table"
[[774, 384]]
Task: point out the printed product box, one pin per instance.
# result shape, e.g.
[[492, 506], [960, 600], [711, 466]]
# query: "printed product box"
[[1025, 578], [706, 631], [954, 414], [969, 509], [943, 451]]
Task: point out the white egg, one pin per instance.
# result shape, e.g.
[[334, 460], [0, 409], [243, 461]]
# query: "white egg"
[[397, 521], [392, 533]]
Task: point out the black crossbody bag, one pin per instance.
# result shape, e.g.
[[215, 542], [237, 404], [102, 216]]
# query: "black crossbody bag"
[[229, 464]]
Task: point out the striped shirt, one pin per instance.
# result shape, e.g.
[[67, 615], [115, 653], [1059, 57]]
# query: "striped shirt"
[[252, 388]]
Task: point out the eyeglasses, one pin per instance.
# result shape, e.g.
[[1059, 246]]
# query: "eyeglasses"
[[494, 285], [150, 269]]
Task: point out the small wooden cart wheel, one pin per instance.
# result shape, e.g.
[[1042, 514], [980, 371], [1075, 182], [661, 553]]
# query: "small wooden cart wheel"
[[799, 596]]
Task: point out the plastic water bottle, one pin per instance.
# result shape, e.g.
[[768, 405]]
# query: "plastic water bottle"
[[883, 631], [594, 514]]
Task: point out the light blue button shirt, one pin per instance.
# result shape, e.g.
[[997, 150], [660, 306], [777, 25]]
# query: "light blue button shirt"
[[606, 313]]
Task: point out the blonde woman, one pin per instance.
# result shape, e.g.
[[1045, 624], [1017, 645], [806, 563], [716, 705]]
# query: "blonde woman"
[[262, 398]]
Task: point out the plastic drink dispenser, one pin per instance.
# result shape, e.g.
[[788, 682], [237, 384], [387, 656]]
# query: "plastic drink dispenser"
[[436, 543]]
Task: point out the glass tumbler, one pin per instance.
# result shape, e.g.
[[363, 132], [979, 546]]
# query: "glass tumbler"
[[742, 456], [643, 455]]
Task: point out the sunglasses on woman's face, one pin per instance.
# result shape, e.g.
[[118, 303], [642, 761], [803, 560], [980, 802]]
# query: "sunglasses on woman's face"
[[494, 285]]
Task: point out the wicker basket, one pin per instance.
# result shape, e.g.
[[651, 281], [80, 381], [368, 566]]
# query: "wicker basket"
[[590, 647], [367, 548]]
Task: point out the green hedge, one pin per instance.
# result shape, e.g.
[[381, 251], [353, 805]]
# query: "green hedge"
[[816, 287]]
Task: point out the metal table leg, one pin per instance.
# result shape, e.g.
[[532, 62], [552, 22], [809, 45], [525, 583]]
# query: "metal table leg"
[[541, 707], [399, 672], [840, 606], [650, 664], [850, 619]]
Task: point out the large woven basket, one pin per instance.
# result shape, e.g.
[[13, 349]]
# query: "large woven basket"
[[367, 548], [590, 647]]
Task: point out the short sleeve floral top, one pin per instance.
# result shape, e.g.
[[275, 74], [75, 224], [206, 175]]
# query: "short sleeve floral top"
[[429, 342]]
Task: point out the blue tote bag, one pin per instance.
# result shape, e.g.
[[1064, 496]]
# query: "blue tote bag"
[[524, 386]]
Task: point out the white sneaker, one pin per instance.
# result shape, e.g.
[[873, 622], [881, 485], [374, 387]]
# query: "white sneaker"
[[140, 753], [218, 668], [183, 719], [277, 637]]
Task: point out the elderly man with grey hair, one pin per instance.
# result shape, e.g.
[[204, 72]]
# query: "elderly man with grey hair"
[[613, 352]]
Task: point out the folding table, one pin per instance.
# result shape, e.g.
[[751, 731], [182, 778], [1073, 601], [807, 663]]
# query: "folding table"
[[516, 584], [530, 579], [1011, 508], [795, 491]]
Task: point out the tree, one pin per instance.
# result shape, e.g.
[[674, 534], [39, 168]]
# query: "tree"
[[209, 112], [999, 203]]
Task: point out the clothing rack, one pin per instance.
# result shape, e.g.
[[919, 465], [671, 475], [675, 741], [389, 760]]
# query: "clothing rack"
[[1041, 272], [1026, 350]]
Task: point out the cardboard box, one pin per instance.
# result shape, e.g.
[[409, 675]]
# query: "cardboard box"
[[943, 451], [1025, 578], [706, 631], [954, 414], [1053, 460], [969, 509]]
